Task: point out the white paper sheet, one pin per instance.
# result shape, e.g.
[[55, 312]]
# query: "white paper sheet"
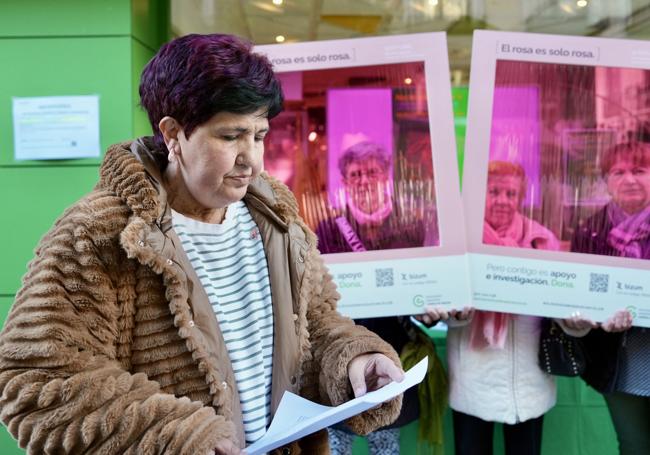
[[297, 417]]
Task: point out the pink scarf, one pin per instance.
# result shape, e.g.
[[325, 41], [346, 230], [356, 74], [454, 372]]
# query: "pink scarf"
[[490, 329], [522, 233]]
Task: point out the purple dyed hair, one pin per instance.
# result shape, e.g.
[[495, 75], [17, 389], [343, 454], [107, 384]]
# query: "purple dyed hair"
[[194, 77]]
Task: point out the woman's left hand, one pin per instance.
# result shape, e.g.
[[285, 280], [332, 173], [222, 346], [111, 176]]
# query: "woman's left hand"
[[368, 372], [619, 322]]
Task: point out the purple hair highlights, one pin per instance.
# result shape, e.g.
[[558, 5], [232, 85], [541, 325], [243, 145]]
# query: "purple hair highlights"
[[194, 77]]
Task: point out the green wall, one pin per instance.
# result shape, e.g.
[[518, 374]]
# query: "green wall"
[[65, 47], [71, 47], [459, 96]]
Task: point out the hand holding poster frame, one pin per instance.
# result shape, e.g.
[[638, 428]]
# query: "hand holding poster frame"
[[366, 143], [557, 153]]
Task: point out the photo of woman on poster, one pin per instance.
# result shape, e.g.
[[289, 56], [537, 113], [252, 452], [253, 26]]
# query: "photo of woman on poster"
[[504, 223], [356, 149], [622, 227], [369, 220]]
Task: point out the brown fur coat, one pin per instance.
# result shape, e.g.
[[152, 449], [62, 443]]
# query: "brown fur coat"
[[111, 345]]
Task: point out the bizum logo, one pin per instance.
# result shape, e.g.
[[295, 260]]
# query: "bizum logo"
[[418, 300], [632, 310]]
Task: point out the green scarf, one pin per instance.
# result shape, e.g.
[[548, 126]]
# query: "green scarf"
[[432, 393]]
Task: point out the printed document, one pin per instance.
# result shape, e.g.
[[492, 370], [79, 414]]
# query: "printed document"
[[297, 417]]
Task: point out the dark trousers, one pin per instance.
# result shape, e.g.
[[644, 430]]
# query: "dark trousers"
[[631, 417], [474, 436]]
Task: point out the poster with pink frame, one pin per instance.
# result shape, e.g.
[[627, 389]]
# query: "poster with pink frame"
[[558, 156], [366, 143]]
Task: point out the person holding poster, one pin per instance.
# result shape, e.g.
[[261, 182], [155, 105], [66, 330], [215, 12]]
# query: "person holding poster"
[[492, 357], [369, 225], [619, 366], [170, 308]]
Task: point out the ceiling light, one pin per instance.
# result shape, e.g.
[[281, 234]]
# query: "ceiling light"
[[279, 38], [408, 81], [581, 3], [277, 2], [312, 136]]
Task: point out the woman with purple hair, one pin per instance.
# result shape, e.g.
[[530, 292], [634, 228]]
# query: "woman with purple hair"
[[169, 309]]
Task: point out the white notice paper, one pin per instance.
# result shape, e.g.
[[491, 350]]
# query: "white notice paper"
[[56, 127], [297, 417]]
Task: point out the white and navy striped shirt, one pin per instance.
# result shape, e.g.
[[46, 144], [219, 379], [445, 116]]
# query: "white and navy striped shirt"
[[229, 260]]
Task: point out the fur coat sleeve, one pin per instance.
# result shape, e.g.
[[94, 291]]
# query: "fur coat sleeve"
[[336, 340], [63, 388]]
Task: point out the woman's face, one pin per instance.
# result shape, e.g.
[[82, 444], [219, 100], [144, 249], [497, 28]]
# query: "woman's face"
[[629, 185], [222, 157], [365, 182], [502, 200]]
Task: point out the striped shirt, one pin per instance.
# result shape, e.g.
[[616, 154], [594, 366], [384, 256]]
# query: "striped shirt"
[[229, 260]]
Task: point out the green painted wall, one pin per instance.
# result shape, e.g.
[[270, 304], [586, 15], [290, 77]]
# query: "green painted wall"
[[65, 47], [459, 96]]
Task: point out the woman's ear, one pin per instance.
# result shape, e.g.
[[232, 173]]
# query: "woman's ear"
[[170, 130]]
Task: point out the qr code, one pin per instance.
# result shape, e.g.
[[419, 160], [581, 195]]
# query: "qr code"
[[384, 277], [598, 282]]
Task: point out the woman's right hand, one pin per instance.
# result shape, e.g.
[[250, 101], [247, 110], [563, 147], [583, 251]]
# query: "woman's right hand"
[[579, 323], [227, 447], [619, 322], [434, 314]]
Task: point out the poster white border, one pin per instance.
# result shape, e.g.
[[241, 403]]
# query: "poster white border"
[[630, 274], [436, 263]]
